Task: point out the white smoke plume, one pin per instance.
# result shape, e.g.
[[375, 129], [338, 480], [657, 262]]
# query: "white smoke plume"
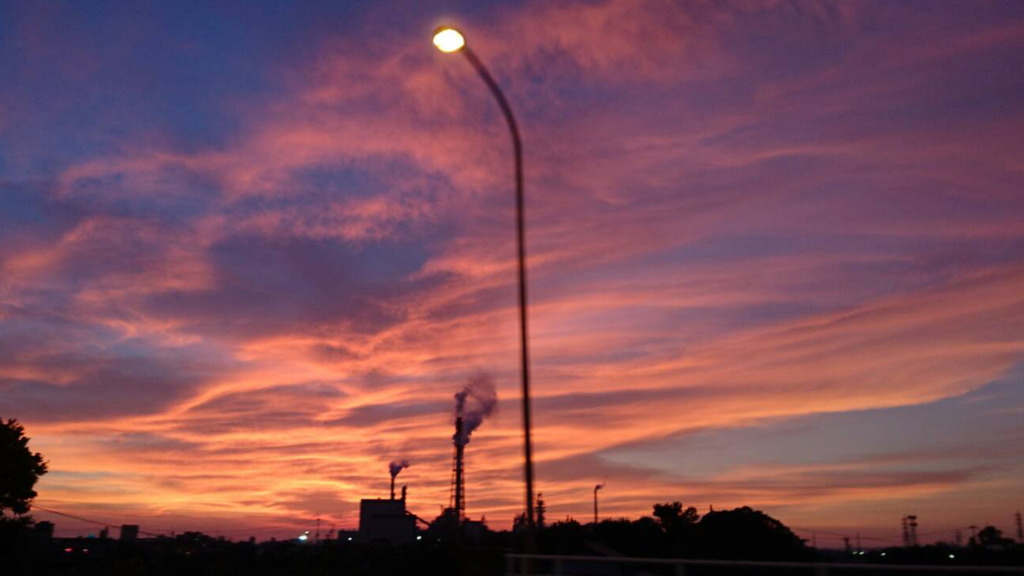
[[474, 404], [397, 466]]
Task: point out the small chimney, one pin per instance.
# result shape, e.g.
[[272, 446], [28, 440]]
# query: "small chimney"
[[403, 493], [394, 468]]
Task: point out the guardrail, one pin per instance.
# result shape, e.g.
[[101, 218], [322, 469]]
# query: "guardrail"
[[529, 564]]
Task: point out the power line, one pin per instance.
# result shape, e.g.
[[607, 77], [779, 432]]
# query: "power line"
[[104, 524], [123, 520], [89, 520], [264, 529], [112, 524], [838, 535], [946, 531]]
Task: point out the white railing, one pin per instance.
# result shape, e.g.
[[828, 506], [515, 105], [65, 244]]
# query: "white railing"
[[529, 564]]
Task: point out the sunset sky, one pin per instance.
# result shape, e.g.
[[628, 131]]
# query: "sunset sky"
[[249, 251]]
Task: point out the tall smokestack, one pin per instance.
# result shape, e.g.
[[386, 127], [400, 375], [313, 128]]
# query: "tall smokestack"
[[394, 467], [473, 404], [459, 505], [596, 488]]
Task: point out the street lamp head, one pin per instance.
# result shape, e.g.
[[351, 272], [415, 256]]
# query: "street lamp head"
[[448, 39]]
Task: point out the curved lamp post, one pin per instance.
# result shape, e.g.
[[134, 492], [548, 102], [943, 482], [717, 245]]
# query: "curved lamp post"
[[450, 40]]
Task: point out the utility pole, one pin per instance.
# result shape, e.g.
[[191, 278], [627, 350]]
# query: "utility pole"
[[1020, 529], [846, 543], [906, 532], [317, 539], [912, 523]]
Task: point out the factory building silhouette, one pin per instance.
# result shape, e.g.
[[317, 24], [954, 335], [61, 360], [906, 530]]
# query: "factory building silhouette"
[[387, 520], [390, 520]]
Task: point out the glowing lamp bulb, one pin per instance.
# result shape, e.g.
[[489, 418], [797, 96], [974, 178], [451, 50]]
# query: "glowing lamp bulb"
[[449, 40]]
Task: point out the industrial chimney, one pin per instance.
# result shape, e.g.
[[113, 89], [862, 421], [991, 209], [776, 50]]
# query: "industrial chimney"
[[477, 400], [458, 500], [394, 468]]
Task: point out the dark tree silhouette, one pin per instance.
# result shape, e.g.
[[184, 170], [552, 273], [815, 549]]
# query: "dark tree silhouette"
[[19, 469], [992, 536], [540, 509], [519, 522], [641, 537], [674, 518], [748, 534]]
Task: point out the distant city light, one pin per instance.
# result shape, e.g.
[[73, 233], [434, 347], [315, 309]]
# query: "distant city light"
[[349, 538], [951, 556], [418, 538]]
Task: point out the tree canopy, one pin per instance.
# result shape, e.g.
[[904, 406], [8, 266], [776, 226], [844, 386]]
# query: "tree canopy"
[[678, 531], [992, 536], [748, 534], [673, 517], [20, 469]]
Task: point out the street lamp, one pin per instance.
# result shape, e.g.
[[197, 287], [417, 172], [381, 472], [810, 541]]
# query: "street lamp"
[[449, 40]]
